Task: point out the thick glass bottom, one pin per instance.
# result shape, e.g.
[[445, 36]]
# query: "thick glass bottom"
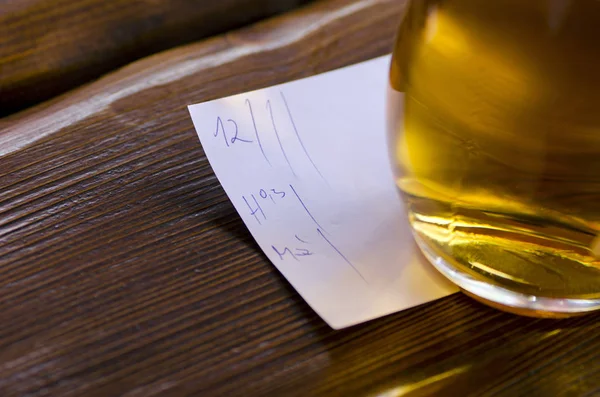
[[496, 296]]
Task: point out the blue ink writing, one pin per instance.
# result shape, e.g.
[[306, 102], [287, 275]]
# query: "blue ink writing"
[[254, 211], [256, 131], [235, 135], [263, 194], [298, 136], [251, 211], [222, 128], [280, 194], [303, 252], [299, 239], [305, 208], [284, 252], [340, 254], [258, 207], [278, 138]]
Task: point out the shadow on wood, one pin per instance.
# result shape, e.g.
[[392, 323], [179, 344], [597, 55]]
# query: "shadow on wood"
[[48, 47]]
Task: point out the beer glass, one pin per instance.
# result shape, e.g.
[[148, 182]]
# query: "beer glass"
[[494, 122]]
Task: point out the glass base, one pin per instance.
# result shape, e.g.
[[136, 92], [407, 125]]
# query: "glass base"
[[507, 300]]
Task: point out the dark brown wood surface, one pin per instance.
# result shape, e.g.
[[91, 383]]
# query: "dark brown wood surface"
[[50, 46], [125, 270]]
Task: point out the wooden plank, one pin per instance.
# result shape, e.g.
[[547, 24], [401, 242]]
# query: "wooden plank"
[[50, 46], [125, 270]]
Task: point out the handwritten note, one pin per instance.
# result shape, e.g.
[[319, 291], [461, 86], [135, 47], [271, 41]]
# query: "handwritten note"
[[306, 166]]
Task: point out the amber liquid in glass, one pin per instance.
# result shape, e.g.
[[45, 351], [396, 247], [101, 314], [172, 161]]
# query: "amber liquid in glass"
[[495, 125]]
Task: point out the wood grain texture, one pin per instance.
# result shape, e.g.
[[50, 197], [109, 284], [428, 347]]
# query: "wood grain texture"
[[125, 270], [50, 46]]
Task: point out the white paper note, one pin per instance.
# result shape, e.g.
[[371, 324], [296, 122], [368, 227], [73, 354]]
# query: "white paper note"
[[306, 166]]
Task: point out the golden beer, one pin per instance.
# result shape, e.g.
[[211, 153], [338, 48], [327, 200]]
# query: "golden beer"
[[494, 113]]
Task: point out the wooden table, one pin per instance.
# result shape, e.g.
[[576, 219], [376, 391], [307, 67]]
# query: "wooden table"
[[50, 46], [125, 270]]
